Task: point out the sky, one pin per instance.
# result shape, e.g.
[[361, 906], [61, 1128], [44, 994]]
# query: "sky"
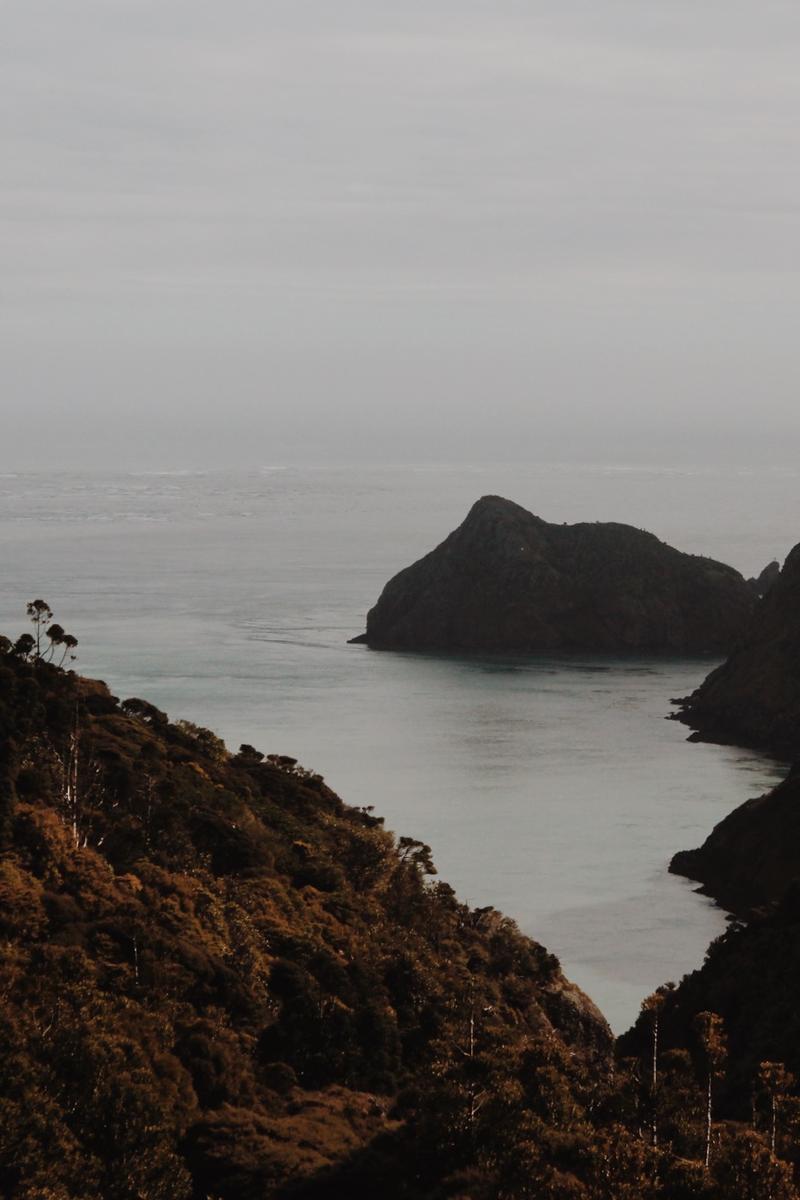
[[261, 232]]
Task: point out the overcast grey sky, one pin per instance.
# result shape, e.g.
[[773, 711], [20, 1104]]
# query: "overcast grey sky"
[[255, 231]]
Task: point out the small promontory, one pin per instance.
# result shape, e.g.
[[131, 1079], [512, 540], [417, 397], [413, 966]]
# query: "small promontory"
[[752, 857], [753, 699], [508, 581]]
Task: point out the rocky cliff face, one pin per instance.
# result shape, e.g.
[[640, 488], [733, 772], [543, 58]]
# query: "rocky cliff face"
[[763, 582], [506, 580], [753, 699], [752, 857]]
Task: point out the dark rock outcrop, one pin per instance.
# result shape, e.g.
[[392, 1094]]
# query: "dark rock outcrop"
[[506, 580], [752, 857], [765, 580], [753, 699]]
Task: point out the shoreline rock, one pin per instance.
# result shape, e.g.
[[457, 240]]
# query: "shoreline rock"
[[751, 858], [753, 698]]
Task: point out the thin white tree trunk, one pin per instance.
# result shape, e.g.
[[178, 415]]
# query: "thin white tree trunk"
[[774, 1123], [708, 1123], [655, 1079], [71, 791]]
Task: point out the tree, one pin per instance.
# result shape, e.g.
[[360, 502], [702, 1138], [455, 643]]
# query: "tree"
[[744, 1168], [249, 754], [711, 1035], [681, 1105], [69, 643], [142, 710], [416, 853], [30, 646], [55, 636], [206, 741], [774, 1082], [58, 637], [40, 613], [651, 1008], [24, 645]]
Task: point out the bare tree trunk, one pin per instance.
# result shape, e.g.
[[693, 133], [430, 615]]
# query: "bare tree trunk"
[[471, 1054], [655, 1080], [148, 817], [774, 1123], [708, 1124], [71, 781]]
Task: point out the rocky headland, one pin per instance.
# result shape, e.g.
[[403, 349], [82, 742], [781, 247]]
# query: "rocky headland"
[[752, 857], [753, 699], [508, 581]]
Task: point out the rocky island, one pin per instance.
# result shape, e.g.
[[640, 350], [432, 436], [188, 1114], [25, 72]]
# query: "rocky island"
[[507, 581]]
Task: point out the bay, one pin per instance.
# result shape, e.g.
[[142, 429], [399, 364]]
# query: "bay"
[[553, 789]]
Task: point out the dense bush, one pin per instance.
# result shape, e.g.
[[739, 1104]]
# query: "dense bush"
[[217, 980]]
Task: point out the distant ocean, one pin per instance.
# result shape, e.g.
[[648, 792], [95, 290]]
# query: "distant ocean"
[[554, 790]]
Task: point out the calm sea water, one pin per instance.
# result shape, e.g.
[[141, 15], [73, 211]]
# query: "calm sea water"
[[553, 789]]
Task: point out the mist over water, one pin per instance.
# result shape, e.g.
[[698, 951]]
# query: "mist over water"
[[553, 789]]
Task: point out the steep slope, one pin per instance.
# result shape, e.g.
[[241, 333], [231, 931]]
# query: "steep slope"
[[752, 857], [764, 581], [218, 980], [751, 980], [749, 985], [506, 580], [753, 699]]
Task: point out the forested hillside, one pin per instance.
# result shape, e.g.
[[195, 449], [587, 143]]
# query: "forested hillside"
[[750, 985], [218, 979], [753, 698], [219, 982]]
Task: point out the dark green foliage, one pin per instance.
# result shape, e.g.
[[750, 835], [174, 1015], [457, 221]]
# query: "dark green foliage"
[[144, 711], [24, 646]]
